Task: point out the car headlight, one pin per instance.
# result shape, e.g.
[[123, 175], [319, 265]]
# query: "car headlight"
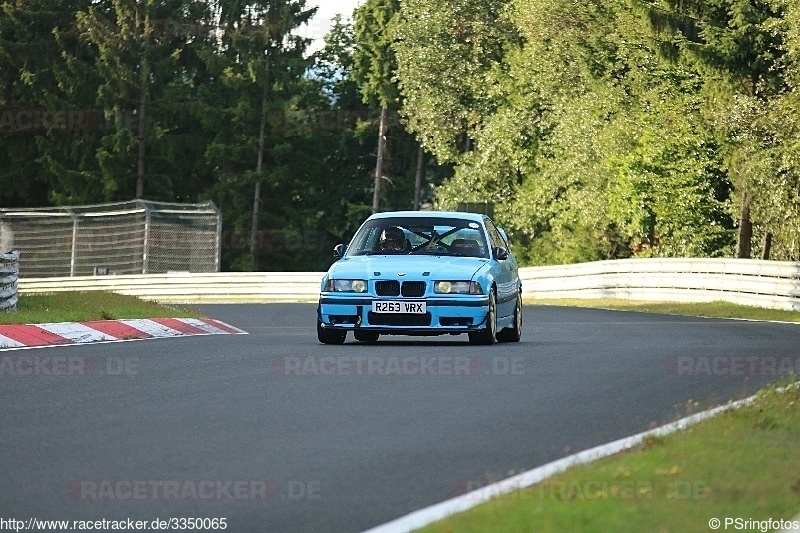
[[346, 285], [457, 287]]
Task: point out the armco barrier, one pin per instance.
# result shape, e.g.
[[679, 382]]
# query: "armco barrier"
[[238, 287], [773, 284], [763, 283], [9, 268]]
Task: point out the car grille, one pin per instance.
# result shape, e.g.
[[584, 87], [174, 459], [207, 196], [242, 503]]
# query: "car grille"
[[398, 319], [387, 288], [413, 288]]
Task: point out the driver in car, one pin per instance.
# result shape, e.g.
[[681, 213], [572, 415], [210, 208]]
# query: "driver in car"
[[393, 240]]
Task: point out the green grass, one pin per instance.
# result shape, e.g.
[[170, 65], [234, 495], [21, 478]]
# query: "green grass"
[[741, 463], [83, 306], [710, 309]]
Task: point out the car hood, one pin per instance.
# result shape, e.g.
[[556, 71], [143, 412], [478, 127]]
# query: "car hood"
[[390, 266]]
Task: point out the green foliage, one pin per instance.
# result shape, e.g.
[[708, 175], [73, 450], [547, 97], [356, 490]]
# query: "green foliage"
[[600, 129], [447, 51], [592, 146]]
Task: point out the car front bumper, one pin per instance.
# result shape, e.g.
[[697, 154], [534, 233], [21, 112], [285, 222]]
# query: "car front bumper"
[[453, 314]]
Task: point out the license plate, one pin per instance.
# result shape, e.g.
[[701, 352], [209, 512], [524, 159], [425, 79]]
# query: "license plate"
[[410, 308]]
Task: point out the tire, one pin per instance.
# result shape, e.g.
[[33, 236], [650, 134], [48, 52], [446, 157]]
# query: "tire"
[[366, 336], [487, 335], [328, 336], [514, 333]]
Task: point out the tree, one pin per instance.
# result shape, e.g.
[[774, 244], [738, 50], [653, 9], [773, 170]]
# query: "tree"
[[139, 47], [261, 60], [447, 52], [572, 147], [740, 43], [33, 115], [374, 66]]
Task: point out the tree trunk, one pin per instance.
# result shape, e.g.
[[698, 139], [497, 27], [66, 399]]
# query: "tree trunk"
[[766, 247], [262, 132], [142, 144], [144, 81], [743, 244], [418, 178], [376, 197]]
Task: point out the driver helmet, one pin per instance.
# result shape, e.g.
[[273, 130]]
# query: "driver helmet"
[[393, 239]]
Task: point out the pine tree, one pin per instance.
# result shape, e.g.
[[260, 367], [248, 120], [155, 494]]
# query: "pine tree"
[[374, 69], [34, 115], [261, 60], [141, 49]]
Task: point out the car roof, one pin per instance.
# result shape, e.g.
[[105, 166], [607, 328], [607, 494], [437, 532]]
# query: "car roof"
[[477, 217]]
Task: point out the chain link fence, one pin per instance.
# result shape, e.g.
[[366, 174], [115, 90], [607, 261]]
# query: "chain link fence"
[[137, 237]]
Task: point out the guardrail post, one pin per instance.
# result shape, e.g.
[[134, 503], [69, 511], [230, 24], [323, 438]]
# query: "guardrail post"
[[73, 261], [218, 236], [146, 244]]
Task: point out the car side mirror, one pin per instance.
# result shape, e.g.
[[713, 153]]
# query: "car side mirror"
[[338, 251], [500, 253]]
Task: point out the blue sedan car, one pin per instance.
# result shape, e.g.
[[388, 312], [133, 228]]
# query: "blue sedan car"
[[423, 273]]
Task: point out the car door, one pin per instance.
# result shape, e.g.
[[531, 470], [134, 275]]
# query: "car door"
[[506, 273]]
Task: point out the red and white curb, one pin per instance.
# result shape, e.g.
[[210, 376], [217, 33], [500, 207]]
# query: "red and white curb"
[[16, 336]]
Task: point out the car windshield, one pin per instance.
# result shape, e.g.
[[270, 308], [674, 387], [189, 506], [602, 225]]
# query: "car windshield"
[[420, 236]]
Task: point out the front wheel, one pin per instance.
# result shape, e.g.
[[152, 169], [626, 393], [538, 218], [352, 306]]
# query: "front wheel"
[[514, 333], [330, 336], [487, 335]]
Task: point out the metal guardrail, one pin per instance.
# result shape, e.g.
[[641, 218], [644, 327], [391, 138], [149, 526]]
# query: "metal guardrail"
[[237, 287], [9, 270], [753, 282], [773, 284]]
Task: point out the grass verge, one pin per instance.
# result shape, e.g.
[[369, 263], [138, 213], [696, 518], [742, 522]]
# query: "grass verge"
[[709, 309], [742, 463], [90, 305]]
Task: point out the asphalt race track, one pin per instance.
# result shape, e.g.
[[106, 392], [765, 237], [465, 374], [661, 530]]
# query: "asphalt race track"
[[274, 432]]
